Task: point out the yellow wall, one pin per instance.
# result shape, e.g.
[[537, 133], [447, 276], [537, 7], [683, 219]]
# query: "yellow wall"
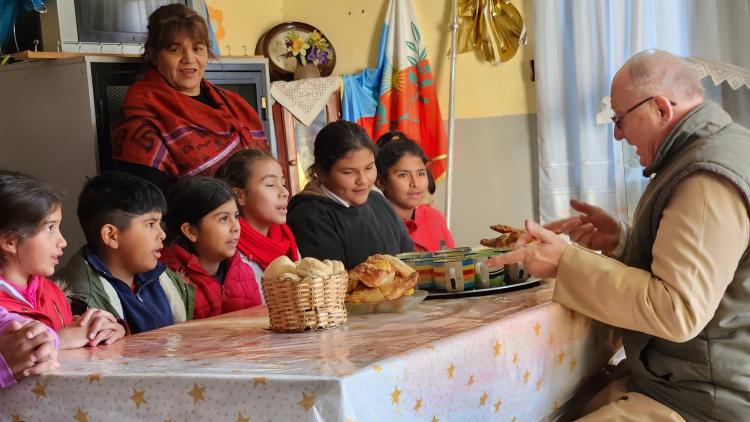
[[353, 27], [243, 22]]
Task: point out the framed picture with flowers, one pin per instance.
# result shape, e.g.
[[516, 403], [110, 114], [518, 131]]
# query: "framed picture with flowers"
[[293, 44]]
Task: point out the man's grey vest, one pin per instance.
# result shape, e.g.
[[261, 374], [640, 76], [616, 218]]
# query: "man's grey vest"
[[708, 377]]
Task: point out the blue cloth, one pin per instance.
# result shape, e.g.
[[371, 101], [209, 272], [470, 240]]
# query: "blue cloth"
[[146, 309], [10, 9]]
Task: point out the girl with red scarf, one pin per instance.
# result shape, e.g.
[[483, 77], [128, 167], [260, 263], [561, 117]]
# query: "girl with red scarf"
[[258, 183], [204, 229]]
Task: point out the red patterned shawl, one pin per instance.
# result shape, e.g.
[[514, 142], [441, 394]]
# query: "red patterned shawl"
[[167, 130]]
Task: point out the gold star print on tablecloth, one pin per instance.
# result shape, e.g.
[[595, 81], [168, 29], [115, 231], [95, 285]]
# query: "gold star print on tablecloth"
[[395, 395], [435, 419], [515, 358], [538, 385], [259, 380], [40, 390], [483, 399], [561, 357], [138, 398], [450, 370], [377, 368], [95, 377], [498, 347], [196, 393], [81, 416], [526, 376], [573, 364], [241, 418], [498, 403], [551, 339], [537, 329], [418, 405], [470, 382], [307, 402]]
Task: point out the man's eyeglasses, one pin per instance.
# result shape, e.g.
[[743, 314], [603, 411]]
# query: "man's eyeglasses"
[[617, 120]]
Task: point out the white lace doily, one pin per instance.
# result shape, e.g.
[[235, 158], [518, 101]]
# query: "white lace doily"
[[306, 97], [719, 72]]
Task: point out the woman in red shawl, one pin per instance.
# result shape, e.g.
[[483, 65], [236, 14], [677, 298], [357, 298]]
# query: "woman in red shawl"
[[174, 122]]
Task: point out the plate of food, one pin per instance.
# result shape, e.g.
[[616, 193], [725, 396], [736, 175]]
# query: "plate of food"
[[532, 282], [383, 283], [402, 304]]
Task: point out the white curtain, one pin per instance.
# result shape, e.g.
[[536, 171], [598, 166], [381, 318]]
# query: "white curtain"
[[722, 31], [580, 44]]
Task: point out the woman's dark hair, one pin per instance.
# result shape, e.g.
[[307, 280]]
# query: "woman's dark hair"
[[191, 199], [239, 167], [336, 140], [166, 22], [393, 146], [25, 203]]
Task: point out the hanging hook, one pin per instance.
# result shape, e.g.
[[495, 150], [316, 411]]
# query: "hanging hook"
[[229, 50], [122, 48], [100, 48], [244, 50], [58, 46], [36, 45]]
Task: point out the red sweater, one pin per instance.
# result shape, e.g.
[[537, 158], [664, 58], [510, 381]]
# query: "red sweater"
[[50, 305], [428, 228], [239, 290]]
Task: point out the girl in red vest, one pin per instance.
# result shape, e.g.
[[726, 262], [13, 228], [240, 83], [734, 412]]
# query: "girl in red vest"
[[258, 183], [30, 247], [404, 178], [204, 229]]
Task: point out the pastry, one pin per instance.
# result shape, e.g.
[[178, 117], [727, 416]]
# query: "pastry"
[[365, 295], [399, 286], [381, 277], [279, 266], [374, 272], [401, 268], [510, 236]]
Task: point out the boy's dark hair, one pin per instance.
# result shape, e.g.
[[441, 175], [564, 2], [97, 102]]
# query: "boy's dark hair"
[[25, 203], [115, 198], [191, 199], [336, 140], [393, 146], [239, 167]]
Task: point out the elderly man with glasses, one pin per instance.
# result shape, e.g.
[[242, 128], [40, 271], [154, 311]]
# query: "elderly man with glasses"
[[678, 280]]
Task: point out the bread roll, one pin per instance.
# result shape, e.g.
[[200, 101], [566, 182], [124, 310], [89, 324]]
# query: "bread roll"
[[290, 276], [337, 267], [279, 266], [313, 268]]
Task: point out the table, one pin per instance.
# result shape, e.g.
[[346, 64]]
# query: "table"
[[513, 357]]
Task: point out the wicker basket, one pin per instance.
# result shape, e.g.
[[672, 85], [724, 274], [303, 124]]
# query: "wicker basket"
[[312, 303]]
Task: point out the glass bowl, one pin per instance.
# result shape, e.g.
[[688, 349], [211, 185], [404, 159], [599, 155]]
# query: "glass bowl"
[[396, 305]]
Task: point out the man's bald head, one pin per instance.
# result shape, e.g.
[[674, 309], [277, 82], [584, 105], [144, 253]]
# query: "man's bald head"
[[659, 72]]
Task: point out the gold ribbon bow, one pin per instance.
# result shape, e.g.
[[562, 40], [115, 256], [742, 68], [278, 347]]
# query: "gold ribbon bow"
[[493, 26]]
